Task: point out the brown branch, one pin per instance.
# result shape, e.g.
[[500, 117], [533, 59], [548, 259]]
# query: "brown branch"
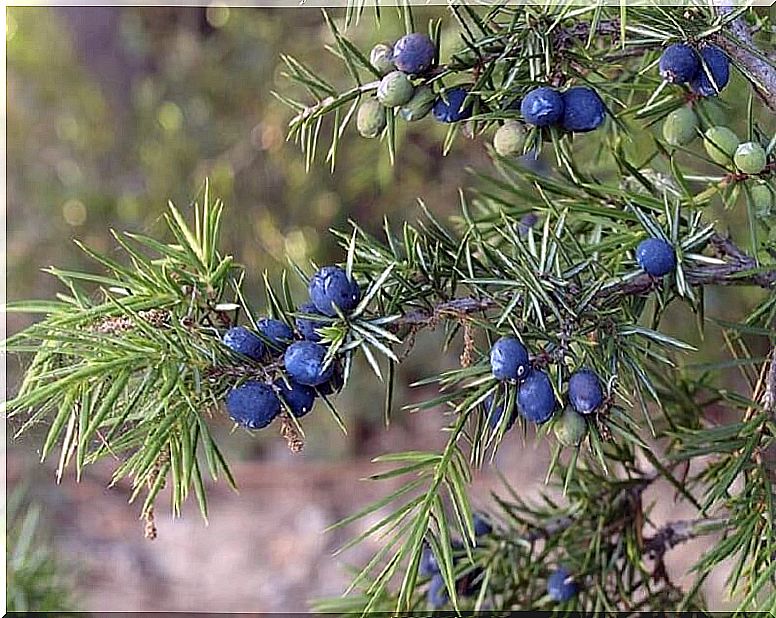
[[738, 269], [738, 43], [672, 534]]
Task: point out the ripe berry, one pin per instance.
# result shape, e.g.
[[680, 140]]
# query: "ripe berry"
[[570, 428], [536, 397], [428, 565], [334, 384], [509, 139], [395, 89], [656, 256], [718, 65], [495, 411], [277, 334], [419, 105], [560, 586], [299, 398], [304, 363], [482, 526], [437, 592], [330, 287], [679, 63], [252, 404], [583, 109], [243, 341], [720, 144], [750, 158], [450, 106], [414, 53], [306, 326], [370, 119], [381, 58], [509, 359], [680, 127], [542, 106], [585, 394]]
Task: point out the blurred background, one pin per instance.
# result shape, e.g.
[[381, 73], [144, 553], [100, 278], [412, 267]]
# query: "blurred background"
[[113, 111]]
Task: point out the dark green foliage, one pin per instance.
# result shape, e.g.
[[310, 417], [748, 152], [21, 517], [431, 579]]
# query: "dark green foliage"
[[143, 363]]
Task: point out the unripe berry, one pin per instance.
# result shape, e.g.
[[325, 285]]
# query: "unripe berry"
[[542, 107], [278, 334], [437, 592], [306, 326], [560, 586], [656, 256], [494, 412], [419, 105], [252, 404], [679, 63], [370, 119], [509, 359], [304, 363], [509, 139], [762, 199], [570, 428], [536, 397], [299, 398], [381, 58], [680, 127], [585, 393], [583, 109], [750, 158], [243, 341], [450, 106], [720, 144], [718, 65], [395, 89], [481, 525], [330, 287], [414, 53]]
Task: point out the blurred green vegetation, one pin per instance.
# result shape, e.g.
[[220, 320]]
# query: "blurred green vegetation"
[[36, 577], [113, 111]]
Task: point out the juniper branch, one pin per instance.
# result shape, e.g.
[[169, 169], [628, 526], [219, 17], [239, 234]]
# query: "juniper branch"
[[738, 269], [738, 42]]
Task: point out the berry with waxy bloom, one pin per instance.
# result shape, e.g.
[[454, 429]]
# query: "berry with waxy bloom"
[[679, 63], [718, 66], [395, 89], [241, 340], [583, 110], [450, 106], [299, 398], [509, 359], [414, 53], [329, 287], [561, 586], [370, 118], [536, 397], [750, 158], [252, 404], [304, 362], [542, 107], [278, 334], [585, 392], [656, 256]]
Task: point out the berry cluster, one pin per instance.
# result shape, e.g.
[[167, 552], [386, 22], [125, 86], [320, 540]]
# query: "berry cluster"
[[722, 145], [255, 404], [576, 110], [706, 71], [403, 67], [536, 400]]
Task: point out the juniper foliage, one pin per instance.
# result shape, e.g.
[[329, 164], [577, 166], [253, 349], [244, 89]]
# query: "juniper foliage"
[[136, 369]]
